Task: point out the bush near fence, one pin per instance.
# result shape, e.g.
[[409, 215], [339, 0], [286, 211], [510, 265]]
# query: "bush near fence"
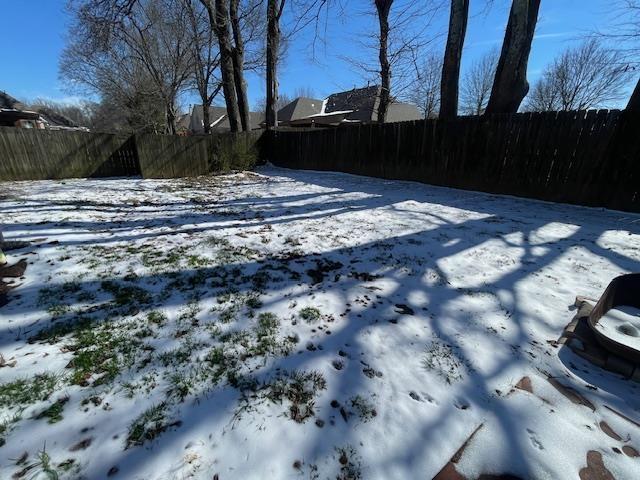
[[43, 154], [584, 157]]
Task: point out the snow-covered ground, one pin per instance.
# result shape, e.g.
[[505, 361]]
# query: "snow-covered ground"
[[289, 324]]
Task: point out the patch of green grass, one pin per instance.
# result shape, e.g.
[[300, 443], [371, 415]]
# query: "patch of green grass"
[[58, 330], [254, 302], [149, 425], [180, 385], [103, 350], [229, 314], [268, 324], [41, 468], [196, 261], [180, 355], [350, 463], [299, 389], [157, 318], [125, 295], [445, 361], [54, 412], [58, 310], [6, 425], [26, 391], [364, 408], [310, 314]]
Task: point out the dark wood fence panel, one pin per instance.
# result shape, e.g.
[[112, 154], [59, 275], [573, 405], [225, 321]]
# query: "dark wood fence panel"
[[170, 156], [584, 157]]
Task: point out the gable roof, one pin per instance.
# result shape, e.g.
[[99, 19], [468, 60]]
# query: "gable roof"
[[8, 102], [218, 119], [54, 118], [301, 107], [362, 102]]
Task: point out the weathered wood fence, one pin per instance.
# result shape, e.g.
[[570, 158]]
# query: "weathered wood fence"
[[43, 154], [585, 157]]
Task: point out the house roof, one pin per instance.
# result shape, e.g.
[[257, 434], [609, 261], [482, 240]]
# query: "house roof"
[[218, 119], [183, 121], [301, 107], [356, 105], [362, 101], [8, 102], [55, 119]]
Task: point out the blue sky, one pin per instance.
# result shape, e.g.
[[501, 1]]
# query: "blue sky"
[[29, 62]]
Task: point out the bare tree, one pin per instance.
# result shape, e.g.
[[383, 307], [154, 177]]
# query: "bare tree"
[[425, 90], [305, 92], [79, 113], [588, 75], [129, 36], [476, 84], [510, 85], [274, 13], [206, 59], [383, 7], [219, 20], [394, 62], [238, 66], [452, 57], [626, 34]]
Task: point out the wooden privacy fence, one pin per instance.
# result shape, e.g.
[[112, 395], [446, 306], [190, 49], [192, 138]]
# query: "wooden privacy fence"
[[169, 156], [584, 157], [43, 154]]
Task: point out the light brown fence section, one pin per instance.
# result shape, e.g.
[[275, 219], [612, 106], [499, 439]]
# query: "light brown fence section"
[[44, 154], [587, 158]]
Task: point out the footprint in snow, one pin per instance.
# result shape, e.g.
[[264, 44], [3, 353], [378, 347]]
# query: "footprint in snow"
[[422, 397], [534, 441], [461, 403]]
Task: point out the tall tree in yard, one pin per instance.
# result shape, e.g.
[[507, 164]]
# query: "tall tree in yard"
[[383, 7], [206, 60], [219, 20], [452, 57], [274, 12], [145, 40], [238, 66], [510, 85]]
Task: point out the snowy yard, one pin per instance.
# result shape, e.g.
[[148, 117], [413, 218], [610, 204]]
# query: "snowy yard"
[[286, 324]]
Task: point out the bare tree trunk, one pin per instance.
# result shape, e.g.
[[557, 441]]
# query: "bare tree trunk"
[[171, 118], [383, 7], [206, 120], [634, 101], [238, 67], [219, 19], [452, 57], [274, 11], [510, 85]]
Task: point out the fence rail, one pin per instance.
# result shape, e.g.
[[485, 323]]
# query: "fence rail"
[[582, 157], [43, 154]]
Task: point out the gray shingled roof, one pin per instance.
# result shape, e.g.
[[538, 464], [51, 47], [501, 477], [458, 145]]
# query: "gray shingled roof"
[[7, 101], [218, 117], [363, 102], [301, 107]]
